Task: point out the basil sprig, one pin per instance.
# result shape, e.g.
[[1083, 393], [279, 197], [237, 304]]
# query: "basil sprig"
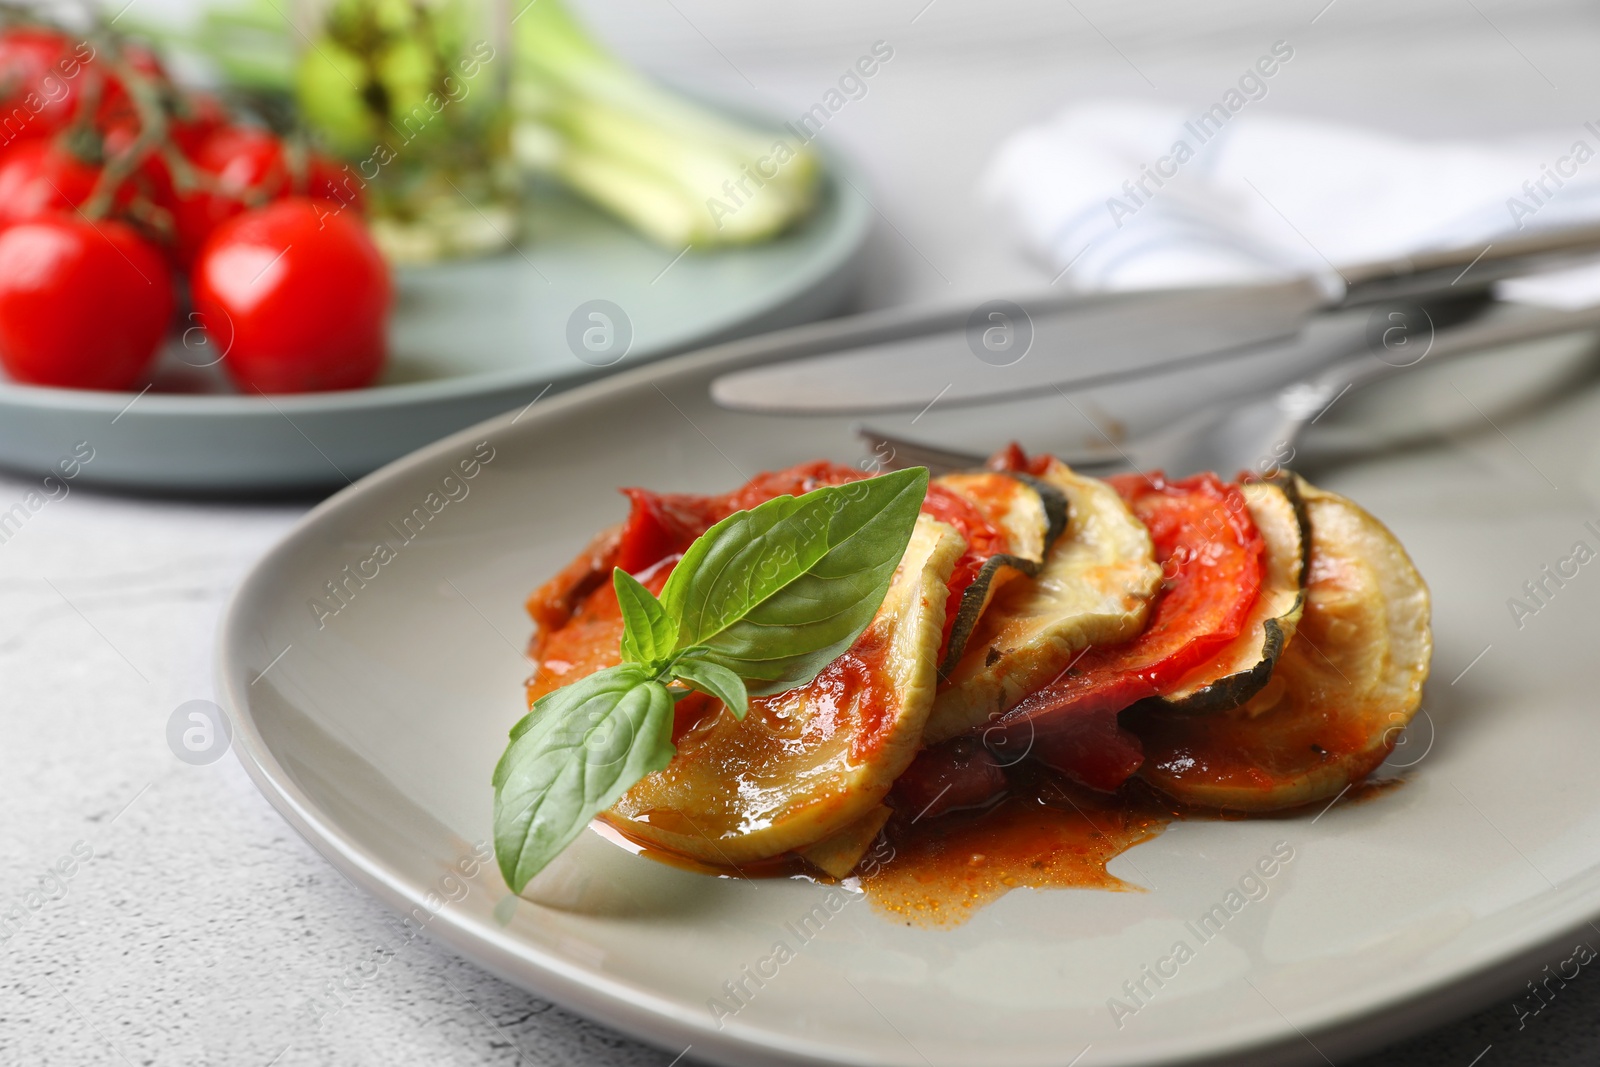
[[759, 604]]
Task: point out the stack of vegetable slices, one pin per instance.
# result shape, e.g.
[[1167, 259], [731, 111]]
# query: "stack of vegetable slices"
[[1248, 647]]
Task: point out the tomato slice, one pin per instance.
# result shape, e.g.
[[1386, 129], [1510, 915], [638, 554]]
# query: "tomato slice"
[[984, 539], [666, 524], [1012, 458], [663, 525], [552, 604], [954, 775], [1211, 554]]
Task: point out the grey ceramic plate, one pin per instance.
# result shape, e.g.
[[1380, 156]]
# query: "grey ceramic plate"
[[372, 720], [468, 340]]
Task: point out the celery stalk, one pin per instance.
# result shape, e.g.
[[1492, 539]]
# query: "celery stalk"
[[675, 170], [679, 172]]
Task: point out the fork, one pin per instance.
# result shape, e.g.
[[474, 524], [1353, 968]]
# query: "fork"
[[1258, 433]]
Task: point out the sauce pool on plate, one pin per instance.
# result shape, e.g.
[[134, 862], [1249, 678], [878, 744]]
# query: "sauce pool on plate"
[[1045, 834]]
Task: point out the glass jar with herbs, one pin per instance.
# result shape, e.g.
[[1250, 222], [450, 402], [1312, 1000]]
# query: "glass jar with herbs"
[[413, 96]]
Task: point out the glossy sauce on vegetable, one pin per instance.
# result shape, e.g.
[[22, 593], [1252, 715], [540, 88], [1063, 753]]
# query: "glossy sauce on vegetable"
[[850, 696], [785, 866], [587, 641]]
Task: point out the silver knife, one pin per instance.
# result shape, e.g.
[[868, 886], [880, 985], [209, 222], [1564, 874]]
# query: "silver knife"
[[1002, 349]]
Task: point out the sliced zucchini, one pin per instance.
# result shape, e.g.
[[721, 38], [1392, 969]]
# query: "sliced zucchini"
[[1031, 512], [1239, 671], [838, 855], [808, 763], [1343, 690], [1094, 588]]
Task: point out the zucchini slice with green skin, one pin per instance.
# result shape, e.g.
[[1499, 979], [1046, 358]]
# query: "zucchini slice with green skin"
[[1342, 692], [1095, 588], [1240, 671], [1031, 512], [804, 765]]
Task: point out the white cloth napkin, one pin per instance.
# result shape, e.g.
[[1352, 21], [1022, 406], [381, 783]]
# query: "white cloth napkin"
[[1120, 195]]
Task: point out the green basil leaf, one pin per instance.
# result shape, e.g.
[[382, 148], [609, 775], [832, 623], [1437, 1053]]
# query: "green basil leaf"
[[648, 634], [778, 592], [712, 679], [579, 749]]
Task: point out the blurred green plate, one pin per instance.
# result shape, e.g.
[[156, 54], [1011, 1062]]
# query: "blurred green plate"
[[468, 340]]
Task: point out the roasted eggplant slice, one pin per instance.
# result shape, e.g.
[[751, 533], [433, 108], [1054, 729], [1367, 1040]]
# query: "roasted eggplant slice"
[[1211, 555], [1346, 686], [806, 764], [1241, 670], [1031, 513], [1094, 588]]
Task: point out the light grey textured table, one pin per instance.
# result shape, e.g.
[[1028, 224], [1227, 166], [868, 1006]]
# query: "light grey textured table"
[[202, 930]]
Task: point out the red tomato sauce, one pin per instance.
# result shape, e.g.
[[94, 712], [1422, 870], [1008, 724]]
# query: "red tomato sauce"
[[1046, 833], [861, 672], [984, 540]]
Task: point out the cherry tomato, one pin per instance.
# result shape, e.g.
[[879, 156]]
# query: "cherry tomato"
[[247, 167], [117, 108], [244, 166], [42, 178], [43, 79], [296, 296], [195, 119], [327, 179], [191, 119], [82, 304], [199, 115]]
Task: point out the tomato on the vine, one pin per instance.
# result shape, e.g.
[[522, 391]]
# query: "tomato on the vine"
[[198, 116], [42, 80], [41, 177], [111, 175], [117, 107], [241, 166], [82, 304], [296, 296]]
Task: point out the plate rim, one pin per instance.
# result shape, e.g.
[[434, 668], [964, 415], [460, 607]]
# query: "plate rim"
[[1371, 1016]]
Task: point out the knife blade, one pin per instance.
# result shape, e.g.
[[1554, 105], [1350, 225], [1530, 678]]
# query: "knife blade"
[[1010, 349], [1006, 349]]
